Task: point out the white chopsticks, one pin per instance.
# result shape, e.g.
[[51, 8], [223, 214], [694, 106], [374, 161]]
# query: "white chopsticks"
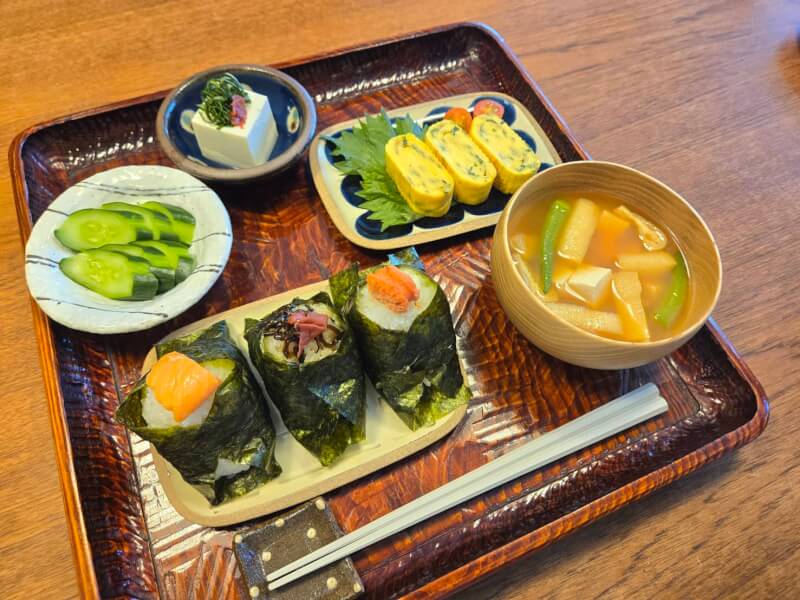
[[611, 418]]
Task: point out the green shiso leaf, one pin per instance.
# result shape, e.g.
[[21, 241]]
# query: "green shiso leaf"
[[322, 403], [363, 151], [238, 427], [416, 371]]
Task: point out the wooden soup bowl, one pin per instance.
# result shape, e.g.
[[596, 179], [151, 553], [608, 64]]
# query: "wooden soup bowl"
[[641, 193]]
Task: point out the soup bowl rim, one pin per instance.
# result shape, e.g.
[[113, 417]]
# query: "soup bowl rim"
[[592, 338]]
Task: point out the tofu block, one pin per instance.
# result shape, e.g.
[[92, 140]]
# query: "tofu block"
[[514, 160], [247, 146], [590, 283], [593, 321], [647, 263], [471, 170], [422, 180], [627, 291], [578, 230]]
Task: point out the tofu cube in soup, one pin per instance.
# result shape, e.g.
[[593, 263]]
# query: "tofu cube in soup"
[[248, 145], [590, 283]]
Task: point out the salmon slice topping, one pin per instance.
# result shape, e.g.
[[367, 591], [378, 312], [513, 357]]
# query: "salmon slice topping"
[[393, 288], [181, 384]]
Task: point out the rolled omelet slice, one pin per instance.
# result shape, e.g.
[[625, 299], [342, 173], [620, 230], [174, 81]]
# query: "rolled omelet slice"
[[472, 172], [422, 180], [514, 160]]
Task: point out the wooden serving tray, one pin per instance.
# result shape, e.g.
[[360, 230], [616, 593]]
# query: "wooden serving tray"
[[388, 440], [129, 541]]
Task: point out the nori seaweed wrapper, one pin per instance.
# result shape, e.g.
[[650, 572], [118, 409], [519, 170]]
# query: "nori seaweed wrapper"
[[416, 371], [238, 427], [322, 403]]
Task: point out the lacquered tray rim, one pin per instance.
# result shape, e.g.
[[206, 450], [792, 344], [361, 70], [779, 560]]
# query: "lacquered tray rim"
[[332, 205], [468, 573]]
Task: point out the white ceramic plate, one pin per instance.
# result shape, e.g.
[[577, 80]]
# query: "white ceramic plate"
[[388, 440], [73, 305], [338, 192]]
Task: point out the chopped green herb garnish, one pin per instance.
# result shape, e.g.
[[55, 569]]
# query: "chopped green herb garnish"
[[217, 99]]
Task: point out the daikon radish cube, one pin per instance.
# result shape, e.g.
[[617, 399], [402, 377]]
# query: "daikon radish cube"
[[578, 230], [627, 293], [593, 321], [590, 283], [647, 263]]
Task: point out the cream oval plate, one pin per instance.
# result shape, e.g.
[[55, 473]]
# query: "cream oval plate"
[[72, 305], [388, 440]]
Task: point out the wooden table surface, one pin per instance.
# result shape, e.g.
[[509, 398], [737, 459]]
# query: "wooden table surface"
[[703, 95]]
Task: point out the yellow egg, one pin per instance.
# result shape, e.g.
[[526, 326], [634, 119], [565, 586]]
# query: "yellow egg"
[[514, 160], [423, 182], [472, 172]]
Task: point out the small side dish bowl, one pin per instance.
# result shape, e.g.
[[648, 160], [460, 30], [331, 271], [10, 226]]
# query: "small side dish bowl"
[[77, 307], [641, 193], [292, 106]]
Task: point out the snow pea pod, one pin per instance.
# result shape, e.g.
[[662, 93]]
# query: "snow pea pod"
[[553, 222], [676, 296]]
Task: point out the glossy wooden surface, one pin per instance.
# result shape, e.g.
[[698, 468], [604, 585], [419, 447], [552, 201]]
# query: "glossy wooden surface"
[[697, 96]]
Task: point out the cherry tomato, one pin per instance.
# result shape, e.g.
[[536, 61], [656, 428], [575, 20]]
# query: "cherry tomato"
[[488, 107], [460, 116]]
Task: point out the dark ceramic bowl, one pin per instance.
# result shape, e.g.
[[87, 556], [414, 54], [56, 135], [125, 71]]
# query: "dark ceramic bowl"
[[292, 107]]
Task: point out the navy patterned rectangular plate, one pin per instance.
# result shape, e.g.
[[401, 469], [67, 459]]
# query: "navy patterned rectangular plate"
[[339, 192]]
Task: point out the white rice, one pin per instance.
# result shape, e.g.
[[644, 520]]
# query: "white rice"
[[312, 353], [226, 468], [158, 417], [379, 313]]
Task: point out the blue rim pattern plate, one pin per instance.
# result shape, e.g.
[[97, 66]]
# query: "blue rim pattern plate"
[[339, 193], [292, 106]]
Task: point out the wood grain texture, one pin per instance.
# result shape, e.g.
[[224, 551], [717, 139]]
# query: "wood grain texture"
[[518, 392], [699, 95]]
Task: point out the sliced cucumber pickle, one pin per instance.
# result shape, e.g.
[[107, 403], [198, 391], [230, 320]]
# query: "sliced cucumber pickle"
[[94, 227], [160, 224], [111, 274], [178, 255], [158, 261], [181, 220]]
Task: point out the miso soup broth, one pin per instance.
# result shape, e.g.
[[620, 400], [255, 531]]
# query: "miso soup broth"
[[603, 267]]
